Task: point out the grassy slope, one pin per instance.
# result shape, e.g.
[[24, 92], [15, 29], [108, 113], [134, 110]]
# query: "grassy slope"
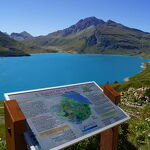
[[138, 127]]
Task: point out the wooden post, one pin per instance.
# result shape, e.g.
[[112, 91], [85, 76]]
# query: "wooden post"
[[15, 124], [108, 140]]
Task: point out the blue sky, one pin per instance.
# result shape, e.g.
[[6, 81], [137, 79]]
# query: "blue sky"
[[40, 17]]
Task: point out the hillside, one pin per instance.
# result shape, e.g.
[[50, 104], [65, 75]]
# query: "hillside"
[[135, 100], [92, 35], [10, 47]]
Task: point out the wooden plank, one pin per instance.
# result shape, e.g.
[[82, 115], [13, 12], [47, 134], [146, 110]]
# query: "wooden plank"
[[109, 138], [15, 124]]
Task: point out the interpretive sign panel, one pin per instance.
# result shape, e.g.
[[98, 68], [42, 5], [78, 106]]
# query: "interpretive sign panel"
[[61, 116]]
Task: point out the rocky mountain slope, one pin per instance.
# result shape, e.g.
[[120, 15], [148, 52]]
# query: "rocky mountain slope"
[[21, 36], [92, 35]]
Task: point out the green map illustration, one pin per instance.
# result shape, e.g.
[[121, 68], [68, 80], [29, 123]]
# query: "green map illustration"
[[73, 107]]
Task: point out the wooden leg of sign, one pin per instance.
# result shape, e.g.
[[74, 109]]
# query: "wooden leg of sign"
[[108, 140], [15, 124], [115, 137]]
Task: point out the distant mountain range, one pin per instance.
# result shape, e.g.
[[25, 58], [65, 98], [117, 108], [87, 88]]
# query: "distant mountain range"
[[90, 35], [21, 36]]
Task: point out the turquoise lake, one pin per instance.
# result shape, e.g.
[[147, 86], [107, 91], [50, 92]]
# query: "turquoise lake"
[[46, 70]]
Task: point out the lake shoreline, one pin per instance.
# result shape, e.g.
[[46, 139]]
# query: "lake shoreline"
[[143, 66], [30, 54], [88, 54]]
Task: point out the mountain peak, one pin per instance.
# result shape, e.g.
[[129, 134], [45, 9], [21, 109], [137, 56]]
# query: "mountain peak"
[[25, 32], [83, 24], [90, 21], [21, 36]]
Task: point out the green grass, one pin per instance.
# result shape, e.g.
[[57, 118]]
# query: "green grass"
[[1, 103], [139, 129], [1, 114], [1, 107], [2, 127], [1, 111]]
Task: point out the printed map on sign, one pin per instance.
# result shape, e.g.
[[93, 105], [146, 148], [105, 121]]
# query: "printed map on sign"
[[73, 107], [60, 116]]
